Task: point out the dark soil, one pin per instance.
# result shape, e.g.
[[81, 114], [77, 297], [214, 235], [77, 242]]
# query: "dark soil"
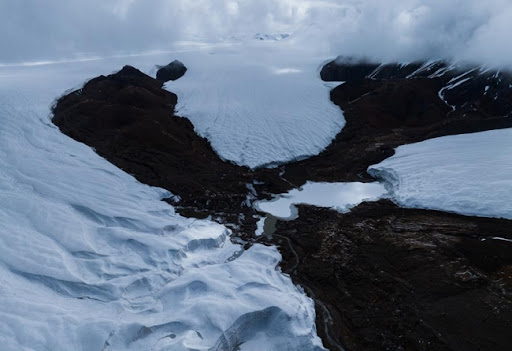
[[404, 279], [391, 278]]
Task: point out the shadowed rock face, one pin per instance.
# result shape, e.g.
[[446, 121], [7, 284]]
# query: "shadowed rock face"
[[130, 121], [391, 278], [174, 70], [386, 106], [464, 88]]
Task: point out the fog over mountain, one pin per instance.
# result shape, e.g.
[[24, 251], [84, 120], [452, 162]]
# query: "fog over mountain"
[[390, 30]]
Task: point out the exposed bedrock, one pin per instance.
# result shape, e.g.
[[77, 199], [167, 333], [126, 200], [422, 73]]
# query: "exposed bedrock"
[[173, 71], [390, 278], [405, 279], [390, 105]]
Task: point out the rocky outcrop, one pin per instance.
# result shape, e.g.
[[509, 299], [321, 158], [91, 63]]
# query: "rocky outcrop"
[[390, 105], [466, 89], [173, 71]]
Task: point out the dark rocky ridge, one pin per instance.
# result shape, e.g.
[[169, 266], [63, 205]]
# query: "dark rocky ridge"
[[130, 121], [386, 106], [466, 88]]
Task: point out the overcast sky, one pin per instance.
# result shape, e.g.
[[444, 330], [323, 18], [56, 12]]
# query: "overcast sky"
[[386, 29]]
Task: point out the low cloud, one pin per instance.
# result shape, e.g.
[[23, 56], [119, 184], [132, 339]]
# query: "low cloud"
[[385, 30]]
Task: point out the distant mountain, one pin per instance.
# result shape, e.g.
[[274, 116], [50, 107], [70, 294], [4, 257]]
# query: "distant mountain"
[[464, 87]]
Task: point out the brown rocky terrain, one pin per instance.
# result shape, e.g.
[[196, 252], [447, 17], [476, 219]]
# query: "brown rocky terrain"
[[404, 279], [390, 278]]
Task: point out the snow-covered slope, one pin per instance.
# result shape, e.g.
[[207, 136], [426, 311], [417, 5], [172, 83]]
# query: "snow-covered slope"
[[90, 259], [469, 174], [234, 95]]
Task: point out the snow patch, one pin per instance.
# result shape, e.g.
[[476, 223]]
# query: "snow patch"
[[259, 226], [90, 259], [338, 196]]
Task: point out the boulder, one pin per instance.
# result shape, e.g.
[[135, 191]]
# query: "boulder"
[[172, 71]]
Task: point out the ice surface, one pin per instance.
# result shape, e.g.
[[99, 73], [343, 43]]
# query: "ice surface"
[[234, 95], [339, 196], [260, 225], [90, 259], [470, 174]]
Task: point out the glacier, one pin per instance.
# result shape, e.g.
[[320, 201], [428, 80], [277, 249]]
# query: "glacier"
[[234, 96], [469, 174], [91, 259]]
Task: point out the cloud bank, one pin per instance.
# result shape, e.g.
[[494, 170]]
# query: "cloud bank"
[[386, 30]]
